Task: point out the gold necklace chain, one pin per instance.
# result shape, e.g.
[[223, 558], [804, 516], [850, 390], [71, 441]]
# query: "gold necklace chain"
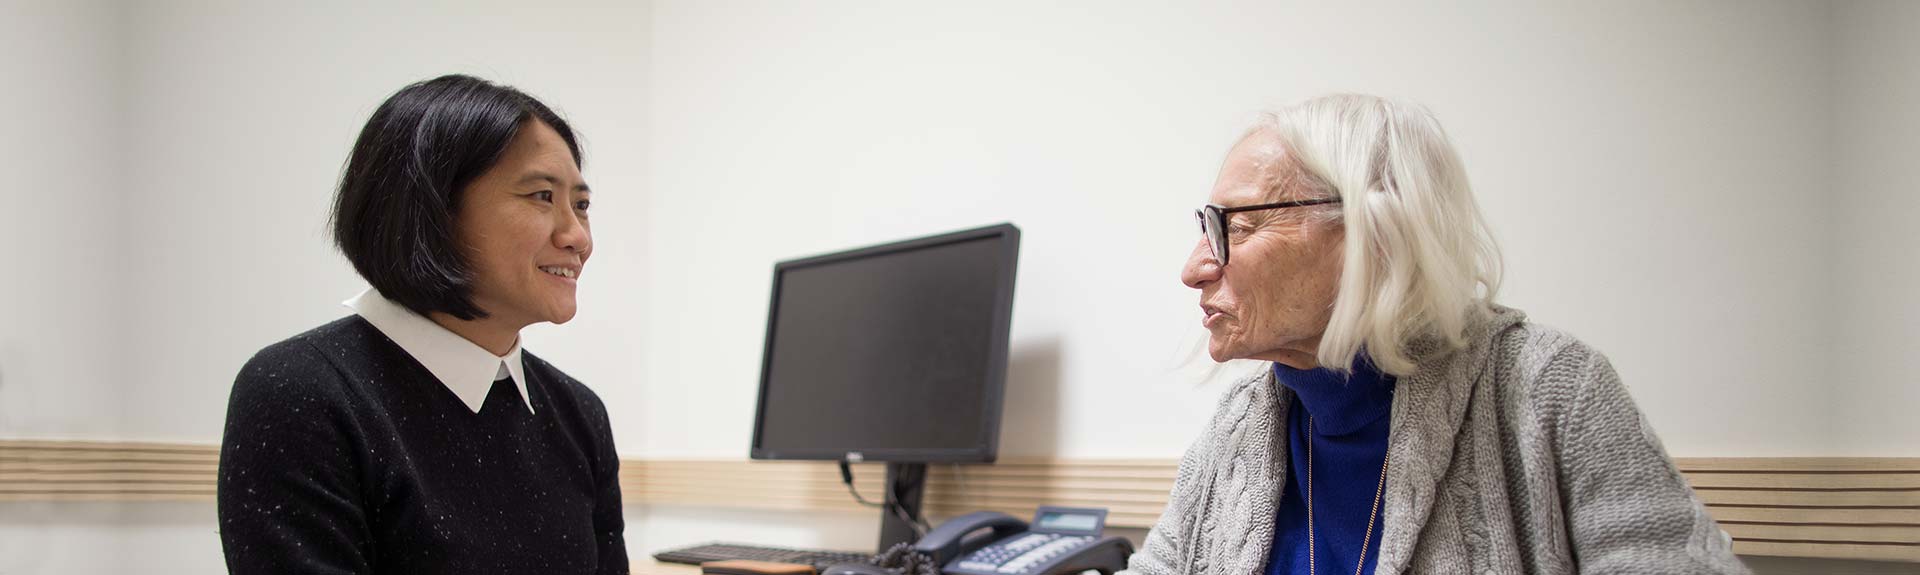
[[1312, 568]]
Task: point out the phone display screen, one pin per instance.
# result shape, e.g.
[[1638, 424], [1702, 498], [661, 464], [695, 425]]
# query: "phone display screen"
[[1068, 523]]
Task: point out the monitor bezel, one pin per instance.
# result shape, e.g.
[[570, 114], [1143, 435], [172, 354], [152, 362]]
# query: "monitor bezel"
[[988, 448]]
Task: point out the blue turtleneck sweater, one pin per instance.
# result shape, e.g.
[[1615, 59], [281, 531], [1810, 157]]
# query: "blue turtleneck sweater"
[[1349, 421]]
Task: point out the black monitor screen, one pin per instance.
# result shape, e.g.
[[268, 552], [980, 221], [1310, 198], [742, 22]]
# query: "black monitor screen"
[[895, 352]]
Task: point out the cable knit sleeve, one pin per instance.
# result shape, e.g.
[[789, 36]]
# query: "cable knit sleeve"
[[1166, 543], [1174, 537], [1628, 508]]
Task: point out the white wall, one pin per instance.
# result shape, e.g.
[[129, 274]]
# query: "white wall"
[[1659, 174], [1876, 201], [60, 225]]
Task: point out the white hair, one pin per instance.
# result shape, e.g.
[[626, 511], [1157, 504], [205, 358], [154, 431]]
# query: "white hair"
[[1419, 260]]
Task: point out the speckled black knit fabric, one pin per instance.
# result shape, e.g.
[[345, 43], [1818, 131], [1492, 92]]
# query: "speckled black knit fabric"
[[344, 455]]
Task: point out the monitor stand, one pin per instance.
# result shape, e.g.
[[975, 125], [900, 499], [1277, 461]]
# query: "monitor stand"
[[906, 487]]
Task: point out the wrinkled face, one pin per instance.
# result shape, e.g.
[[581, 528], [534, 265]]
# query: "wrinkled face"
[[523, 226], [1274, 299]]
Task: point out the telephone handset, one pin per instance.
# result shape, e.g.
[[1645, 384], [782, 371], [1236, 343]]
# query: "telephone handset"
[[1060, 540]]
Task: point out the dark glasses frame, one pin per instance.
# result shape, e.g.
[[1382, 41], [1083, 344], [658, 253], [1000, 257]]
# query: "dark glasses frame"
[[1213, 221]]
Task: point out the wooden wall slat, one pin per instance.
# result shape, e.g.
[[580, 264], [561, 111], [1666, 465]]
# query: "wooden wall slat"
[[1827, 499], [116, 496], [1866, 534], [1813, 481], [1799, 464], [106, 466], [110, 487], [1897, 516], [1826, 550], [1857, 508]]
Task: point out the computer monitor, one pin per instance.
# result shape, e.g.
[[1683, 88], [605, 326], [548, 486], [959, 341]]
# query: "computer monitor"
[[894, 352]]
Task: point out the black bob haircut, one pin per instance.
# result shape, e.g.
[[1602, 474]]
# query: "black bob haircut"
[[394, 214]]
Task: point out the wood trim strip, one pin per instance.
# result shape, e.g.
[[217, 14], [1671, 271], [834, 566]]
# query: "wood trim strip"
[[1899, 516], [1825, 550], [1807, 481], [1811, 499], [1852, 508], [1798, 464], [1907, 535]]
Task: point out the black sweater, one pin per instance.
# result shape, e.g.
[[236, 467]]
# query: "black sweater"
[[344, 455]]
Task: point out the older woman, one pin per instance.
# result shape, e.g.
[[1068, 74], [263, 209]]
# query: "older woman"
[[1407, 424], [415, 435]]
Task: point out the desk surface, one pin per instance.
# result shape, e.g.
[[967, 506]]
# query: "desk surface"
[[647, 566]]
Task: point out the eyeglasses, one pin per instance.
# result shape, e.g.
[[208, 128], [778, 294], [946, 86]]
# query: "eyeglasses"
[[1213, 221]]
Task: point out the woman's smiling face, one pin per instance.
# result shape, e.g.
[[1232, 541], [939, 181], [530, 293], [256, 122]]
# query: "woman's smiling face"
[[524, 230]]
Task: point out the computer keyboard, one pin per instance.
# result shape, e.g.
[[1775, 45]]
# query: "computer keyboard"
[[698, 554]]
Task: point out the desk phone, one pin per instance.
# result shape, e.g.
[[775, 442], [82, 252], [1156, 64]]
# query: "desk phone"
[[1060, 540]]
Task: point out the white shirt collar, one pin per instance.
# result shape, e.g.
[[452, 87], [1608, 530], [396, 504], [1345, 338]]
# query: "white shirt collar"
[[461, 365]]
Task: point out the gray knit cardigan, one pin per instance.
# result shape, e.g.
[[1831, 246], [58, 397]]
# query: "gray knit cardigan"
[[1521, 453]]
